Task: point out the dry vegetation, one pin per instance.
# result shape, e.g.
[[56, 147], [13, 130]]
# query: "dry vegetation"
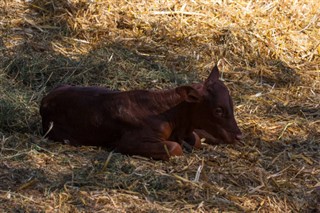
[[269, 53]]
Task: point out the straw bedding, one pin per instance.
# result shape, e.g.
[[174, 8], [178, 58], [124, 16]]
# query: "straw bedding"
[[268, 52]]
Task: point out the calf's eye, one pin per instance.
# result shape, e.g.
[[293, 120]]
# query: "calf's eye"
[[219, 111]]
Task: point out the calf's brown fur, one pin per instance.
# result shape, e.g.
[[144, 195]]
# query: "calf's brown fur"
[[140, 122]]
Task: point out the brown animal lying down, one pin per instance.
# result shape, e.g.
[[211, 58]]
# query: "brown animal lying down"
[[140, 122]]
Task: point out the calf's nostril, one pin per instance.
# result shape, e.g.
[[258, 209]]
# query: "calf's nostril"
[[239, 136]]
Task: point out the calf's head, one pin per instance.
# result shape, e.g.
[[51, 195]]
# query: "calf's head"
[[214, 110]]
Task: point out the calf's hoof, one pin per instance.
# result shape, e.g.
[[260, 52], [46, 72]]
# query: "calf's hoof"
[[197, 144], [172, 149]]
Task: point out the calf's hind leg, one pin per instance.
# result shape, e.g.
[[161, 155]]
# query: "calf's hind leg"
[[157, 150]]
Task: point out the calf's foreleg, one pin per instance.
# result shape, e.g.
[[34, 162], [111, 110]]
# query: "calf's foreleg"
[[157, 150], [191, 142]]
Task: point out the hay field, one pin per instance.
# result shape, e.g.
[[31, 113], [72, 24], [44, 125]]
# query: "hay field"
[[268, 51]]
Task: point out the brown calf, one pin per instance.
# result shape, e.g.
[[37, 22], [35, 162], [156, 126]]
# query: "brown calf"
[[140, 122]]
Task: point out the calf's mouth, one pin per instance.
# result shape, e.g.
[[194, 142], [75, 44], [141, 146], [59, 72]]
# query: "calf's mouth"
[[227, 137]]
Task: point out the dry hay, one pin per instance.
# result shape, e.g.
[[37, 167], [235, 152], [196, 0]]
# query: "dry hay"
[[269, 53]]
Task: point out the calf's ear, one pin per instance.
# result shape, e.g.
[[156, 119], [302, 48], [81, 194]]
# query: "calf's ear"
[[189, 93], [214, 75]]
